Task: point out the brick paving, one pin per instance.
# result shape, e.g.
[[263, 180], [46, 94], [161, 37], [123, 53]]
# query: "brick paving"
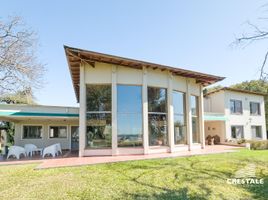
[[69, 159]]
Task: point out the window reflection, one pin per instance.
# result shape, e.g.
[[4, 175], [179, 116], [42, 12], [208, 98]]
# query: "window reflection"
[[195, 119], [179, 118], [129, 116], [157, 116], [99, 131]]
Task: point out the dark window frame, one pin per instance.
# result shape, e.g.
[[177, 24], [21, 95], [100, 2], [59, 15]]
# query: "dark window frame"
[[23, 132], [237, 126], [251, 108], [54, 126], [236, 111]]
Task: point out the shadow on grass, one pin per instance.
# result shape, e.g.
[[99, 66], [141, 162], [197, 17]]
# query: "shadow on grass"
[[188, 170], [171, 194]]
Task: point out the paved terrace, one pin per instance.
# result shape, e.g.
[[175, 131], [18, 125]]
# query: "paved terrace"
[[71, 160]]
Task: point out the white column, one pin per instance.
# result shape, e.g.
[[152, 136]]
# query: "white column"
[[189, 115], [82, 111], [114, 110], [145, 111], [201, 117], [170, 113]]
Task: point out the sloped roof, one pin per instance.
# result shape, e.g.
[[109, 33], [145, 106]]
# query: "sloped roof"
[[75, 56], [235, 90]]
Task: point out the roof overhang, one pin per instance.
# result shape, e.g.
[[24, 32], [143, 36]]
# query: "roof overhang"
[[77, 56], [35, 112], [235, 90]]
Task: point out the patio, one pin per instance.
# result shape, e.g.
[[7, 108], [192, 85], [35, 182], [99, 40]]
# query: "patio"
[[69, 158]]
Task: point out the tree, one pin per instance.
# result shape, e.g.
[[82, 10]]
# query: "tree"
[[257, 34], [20, 97], [19, 68]]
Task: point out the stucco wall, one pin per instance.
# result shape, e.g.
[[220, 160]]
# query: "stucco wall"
[[245, 119], [45, 140], [102, 74], [213, 128], [214, 103]]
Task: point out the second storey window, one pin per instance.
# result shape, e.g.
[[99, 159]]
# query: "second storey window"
[[255, 108], [236, 107]]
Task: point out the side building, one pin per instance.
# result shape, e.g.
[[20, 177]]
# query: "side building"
[[235, 114]]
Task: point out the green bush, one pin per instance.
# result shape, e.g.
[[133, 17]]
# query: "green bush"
[[258, 145]]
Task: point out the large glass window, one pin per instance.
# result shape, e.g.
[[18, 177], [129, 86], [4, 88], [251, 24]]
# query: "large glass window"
[[195, 119], [256, 132], [157, 116], [255, 108], [237, 132], [99, 129], [32, 132], [179, 118], [236, 107], [58, 132], [129, 116]]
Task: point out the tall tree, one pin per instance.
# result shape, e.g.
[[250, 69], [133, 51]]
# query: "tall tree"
[[19, 67]]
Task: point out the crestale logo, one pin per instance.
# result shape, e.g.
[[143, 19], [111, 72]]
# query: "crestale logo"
[[246, 176]]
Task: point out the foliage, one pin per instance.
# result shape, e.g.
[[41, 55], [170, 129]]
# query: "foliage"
[[20, 97], [19, 68], [258, 144], [213, 88], [196, 177]]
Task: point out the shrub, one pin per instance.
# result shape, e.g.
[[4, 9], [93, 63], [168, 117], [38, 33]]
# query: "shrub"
[[258, 145]]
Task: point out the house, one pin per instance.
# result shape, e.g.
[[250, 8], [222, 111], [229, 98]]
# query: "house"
[[126, 107], [235, 114]]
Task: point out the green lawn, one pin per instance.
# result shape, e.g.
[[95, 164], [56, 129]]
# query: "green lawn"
[[198, 177]]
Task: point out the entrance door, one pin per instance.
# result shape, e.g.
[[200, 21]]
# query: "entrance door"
[[74, 138]]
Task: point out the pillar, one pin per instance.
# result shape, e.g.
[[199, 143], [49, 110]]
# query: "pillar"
[[82, 111], [189, 115], [145, 110], [170, 113], [114, 110]]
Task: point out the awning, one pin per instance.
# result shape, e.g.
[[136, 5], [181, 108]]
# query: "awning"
[[214, 117]]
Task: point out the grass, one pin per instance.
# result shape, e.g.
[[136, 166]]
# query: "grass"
[[197, 177]]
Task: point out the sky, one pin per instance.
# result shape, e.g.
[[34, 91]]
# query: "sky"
[[190, 34]]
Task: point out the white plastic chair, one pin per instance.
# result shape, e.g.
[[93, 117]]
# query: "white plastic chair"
[[50, 150], [58, 148], [16, 151], [30, 148]]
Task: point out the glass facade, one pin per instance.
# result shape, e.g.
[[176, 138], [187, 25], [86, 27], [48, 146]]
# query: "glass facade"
[[129, 116], [180, 136], [157, 116], [195, 119], [99, 126]]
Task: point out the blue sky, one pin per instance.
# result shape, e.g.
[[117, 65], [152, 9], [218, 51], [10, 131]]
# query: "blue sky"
[[190, 34]]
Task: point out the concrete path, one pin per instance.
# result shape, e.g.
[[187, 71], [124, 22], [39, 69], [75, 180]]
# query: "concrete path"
[[78, 161]]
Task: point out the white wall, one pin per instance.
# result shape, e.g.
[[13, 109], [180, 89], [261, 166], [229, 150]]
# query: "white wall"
[[245, 119], [214, 102], [45, 141], [213, 128]]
